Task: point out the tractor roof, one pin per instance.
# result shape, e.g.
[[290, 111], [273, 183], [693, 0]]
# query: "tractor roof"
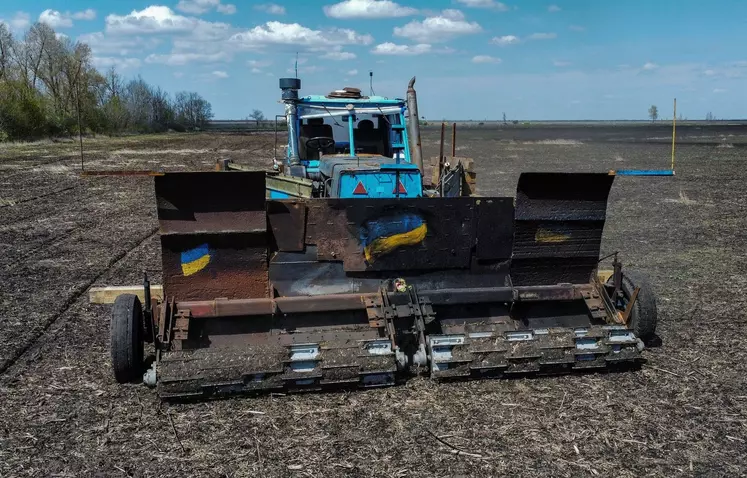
[[363, 100]]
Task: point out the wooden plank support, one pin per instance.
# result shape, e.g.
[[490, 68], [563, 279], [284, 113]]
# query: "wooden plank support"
[[107, 295]]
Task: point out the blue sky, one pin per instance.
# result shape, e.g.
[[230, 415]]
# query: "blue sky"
[[474, 59]]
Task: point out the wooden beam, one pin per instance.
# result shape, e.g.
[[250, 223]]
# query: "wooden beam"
[[107, 295]]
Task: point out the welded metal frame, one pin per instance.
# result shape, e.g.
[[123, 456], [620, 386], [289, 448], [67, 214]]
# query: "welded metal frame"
[[287, 301]]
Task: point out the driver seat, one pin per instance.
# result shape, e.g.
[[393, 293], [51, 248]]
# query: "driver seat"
[[314, 128]]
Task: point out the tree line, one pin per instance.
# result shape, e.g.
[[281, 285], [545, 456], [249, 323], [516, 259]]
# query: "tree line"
[[49, 87]]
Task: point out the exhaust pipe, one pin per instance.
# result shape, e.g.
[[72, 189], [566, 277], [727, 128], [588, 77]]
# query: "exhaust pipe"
[[289, 88], [413, 127]]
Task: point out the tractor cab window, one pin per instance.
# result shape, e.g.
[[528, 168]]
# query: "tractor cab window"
[[371, 134]]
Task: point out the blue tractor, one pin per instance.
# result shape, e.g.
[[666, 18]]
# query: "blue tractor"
[[346, 145]]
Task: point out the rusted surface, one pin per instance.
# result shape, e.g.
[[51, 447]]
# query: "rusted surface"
[[495, 228], [203, 202], [280, 305], [236, 267], [342, 302], [213, 235], [121, 173], [326, 228], [559, 219], [631, 304], [338, 228], [287, 220]]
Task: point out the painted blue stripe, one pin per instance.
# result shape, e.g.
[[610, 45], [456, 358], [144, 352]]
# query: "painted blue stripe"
[[398, 166], [389, 226], [194, 254], [644, 172]]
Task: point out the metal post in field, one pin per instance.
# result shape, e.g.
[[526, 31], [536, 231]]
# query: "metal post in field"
[[674, 130], [453, 140]]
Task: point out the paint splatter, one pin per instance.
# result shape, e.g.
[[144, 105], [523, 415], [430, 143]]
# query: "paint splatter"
[[383, 235], [194, 260]]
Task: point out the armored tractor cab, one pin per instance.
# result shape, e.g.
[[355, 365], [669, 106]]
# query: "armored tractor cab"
[[346, 145]]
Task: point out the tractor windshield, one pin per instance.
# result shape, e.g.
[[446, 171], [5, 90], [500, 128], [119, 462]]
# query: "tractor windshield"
[[372, 131]]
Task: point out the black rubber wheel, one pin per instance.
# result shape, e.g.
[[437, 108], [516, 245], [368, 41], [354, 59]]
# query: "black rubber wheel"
[[127, 338], [644, 315]]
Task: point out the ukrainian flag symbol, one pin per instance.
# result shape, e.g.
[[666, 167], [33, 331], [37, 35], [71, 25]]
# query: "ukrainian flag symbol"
[[382, 236], [194, 260]]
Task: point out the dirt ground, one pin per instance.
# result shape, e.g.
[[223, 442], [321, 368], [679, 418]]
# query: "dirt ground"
[[683, 413]]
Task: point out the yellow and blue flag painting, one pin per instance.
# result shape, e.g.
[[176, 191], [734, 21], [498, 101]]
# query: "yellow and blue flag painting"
[[194, 260], [383, 235]]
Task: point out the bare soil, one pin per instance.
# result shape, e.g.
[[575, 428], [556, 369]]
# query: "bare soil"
[[683, 413]]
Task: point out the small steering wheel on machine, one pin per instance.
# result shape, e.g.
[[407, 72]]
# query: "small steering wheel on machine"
[[320, 143]]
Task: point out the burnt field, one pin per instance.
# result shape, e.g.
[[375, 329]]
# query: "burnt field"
[[683, 413]]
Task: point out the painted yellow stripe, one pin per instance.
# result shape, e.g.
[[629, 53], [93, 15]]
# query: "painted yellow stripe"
[[545, 235], [189, 268], [388, 244]]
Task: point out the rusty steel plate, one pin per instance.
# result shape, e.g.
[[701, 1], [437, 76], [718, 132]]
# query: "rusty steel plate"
[[558, 225], [190, 202], [393, 235], [213, 235], [287, 220]]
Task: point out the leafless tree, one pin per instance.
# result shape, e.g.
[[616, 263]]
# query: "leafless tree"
[[653, 113], [257, 116]]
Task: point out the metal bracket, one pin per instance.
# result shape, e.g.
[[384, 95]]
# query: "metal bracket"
[[629, 308]]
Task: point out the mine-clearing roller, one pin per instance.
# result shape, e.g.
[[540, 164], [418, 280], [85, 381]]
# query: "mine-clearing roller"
[[323, 290]]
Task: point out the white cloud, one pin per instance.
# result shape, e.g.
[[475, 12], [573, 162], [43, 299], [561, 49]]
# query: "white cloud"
[[542, 36], [389, 48], [198, 7], [577, 28], [227, 9], [60, 36], [178, 74], [502, 7], [709, 73], [159, 19], [650, 66], [505, 40], [339, 55], [219, 74], [352, 72], [271, 8], [449, 24], [553, 8], [561, 63], [104, 62], [485, 59], [177, 59], [88, 14], [19, 22], [259, 63], [368, 9], [277, 33], [107, 45], [55, 19], [719, 90], [154, 19]]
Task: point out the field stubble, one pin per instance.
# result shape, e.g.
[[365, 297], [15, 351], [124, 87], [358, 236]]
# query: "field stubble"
[[684, 413]]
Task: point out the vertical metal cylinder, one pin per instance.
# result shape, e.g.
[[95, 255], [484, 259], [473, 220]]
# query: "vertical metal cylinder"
[[413, 126], [291, 115], [289, 88]]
